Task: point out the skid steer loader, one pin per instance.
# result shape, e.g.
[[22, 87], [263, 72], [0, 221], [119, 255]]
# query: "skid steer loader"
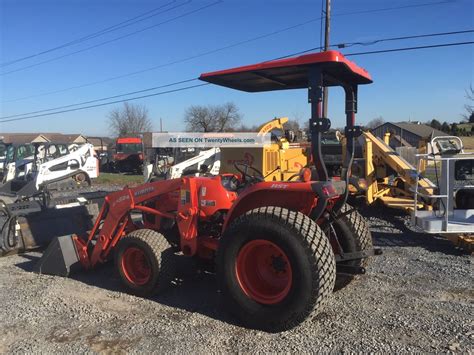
[[50, 166], [32, 208], [165, 167], [280, 247], [16, 155]]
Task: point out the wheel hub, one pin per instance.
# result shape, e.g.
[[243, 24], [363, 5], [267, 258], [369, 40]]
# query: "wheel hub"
[[264, 271], [135, 266]]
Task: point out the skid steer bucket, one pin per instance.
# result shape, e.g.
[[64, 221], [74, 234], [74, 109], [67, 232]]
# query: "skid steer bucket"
[[60, 258], [28, 225]]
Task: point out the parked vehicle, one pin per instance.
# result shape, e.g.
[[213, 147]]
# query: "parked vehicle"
[[129, 155], [280, 248]]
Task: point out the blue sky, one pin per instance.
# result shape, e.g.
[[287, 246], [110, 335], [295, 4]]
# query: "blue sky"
[[416, 85]]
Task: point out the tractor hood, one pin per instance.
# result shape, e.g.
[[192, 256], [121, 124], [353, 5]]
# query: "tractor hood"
[[290, 73]]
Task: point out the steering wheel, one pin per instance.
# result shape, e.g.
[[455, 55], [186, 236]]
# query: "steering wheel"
[[246, 177]]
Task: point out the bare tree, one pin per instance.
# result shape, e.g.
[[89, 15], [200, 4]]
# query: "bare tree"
[[220, 118], [469, 115], [245, 128], [377, 121], [293, 125], [129, 120]]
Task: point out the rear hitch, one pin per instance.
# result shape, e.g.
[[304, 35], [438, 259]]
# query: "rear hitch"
[[363, 254], [378, 251], [350, 270]]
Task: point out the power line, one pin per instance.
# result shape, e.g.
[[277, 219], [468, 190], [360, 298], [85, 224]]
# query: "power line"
[[120, 25], [411, 48], [106, 103], [375, 41], [370, 11], [369, 43], [379, 51], [117, 38], [194, 86], [137, 72], [235, 44], [102, 99], [182, 60]]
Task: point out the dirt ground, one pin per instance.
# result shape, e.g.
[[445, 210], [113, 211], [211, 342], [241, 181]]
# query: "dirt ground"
[[417, 296]]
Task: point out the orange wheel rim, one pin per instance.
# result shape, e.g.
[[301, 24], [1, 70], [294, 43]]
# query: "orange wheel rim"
[[264, 271], [135, 266]]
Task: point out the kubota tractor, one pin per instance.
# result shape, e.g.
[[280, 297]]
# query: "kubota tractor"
[[280, 248]]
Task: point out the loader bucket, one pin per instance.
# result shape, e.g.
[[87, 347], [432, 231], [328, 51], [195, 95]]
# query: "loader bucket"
[[60, 258]]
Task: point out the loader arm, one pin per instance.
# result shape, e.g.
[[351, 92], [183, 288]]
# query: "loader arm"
[[114, 219]]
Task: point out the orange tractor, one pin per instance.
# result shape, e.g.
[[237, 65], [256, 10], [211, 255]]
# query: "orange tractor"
[[279, 248]]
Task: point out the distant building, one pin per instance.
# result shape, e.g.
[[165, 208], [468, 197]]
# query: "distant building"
[[65, 138], [23, 138], [99, 143], [406, 133]]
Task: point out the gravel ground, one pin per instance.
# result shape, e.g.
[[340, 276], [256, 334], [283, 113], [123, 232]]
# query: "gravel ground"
[[417, 296]]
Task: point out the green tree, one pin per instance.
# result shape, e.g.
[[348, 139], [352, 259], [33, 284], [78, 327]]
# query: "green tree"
[[454, 129], [445, 127], [435, 124]]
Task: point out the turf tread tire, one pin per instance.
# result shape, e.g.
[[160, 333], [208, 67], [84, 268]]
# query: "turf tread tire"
[[313, 246], [159, 253]]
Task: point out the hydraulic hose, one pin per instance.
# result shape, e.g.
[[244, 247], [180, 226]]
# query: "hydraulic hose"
[[8, 239]]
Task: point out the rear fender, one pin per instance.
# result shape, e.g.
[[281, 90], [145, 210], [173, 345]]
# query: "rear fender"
[[304, 197], [296, 196]]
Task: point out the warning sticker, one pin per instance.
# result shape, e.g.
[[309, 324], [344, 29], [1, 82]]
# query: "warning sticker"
[[185, 197], [208, 203]]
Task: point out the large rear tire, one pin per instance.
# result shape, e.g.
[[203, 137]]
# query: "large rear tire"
[[274, 268], [143, 260], [353, 234]]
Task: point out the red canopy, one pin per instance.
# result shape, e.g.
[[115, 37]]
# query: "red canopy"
[[129, 140], [291, 73]]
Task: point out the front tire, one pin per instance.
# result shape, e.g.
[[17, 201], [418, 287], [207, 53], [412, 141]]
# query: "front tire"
[[143, 260], [274, 268]]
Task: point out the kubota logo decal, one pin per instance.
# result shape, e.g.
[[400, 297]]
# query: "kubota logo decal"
[[144, 191], [279, 186], [121, 199]]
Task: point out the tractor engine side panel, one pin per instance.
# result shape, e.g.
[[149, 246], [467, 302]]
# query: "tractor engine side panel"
[[213, 197]]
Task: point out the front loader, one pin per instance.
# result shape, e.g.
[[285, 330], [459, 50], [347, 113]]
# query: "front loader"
[[280, 248]]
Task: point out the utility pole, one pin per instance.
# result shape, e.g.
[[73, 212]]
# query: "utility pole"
[[326, 47]]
